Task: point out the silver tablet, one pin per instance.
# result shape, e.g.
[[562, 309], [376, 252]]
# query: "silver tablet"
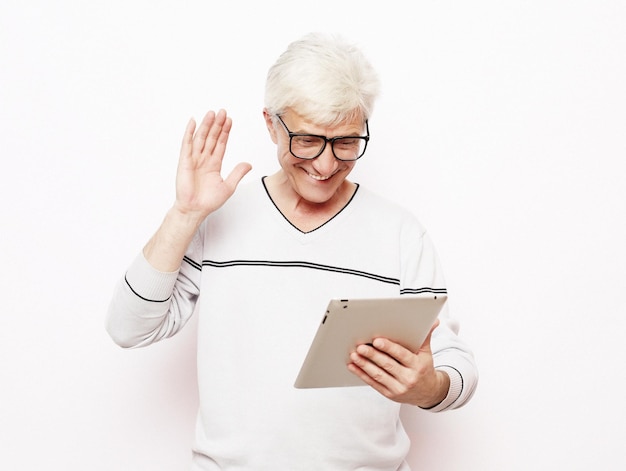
[[350, 322]]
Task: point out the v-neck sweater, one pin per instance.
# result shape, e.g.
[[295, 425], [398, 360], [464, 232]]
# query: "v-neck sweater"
[[260, 287]]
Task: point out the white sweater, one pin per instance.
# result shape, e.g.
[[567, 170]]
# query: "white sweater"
[[260, 287]]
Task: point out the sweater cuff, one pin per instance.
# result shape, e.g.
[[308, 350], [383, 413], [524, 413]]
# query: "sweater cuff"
[[148, 283], [454, 392]]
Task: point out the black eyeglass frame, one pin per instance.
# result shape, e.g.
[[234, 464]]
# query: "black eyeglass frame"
[[326, 140]]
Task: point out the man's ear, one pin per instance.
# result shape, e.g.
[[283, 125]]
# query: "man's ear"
[[269, 122]]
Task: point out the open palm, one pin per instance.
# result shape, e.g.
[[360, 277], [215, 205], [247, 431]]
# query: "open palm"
[[200, 188]]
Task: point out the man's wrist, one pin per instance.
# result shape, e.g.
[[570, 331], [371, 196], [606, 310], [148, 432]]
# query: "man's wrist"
[[443, 386]]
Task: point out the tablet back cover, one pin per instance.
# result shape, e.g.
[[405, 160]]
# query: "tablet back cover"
[[347, 323]]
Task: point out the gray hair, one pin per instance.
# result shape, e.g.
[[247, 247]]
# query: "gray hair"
[[323, 78]]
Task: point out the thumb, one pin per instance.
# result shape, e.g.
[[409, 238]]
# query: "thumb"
[[426, 344], [235, 176]]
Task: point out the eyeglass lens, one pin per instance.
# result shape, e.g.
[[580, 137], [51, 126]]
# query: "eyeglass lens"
[[345, 148]]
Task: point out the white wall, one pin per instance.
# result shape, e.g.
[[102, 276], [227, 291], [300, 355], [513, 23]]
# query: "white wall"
[[501, 125]]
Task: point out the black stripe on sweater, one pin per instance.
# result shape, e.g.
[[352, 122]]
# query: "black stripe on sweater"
[[314, 266]]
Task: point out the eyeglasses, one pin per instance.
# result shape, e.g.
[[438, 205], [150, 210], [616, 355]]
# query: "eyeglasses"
[[310, 146]]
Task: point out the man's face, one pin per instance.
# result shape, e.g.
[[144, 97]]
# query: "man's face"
[[317, 180]]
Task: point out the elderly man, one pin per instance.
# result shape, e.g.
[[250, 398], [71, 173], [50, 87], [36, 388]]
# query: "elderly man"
[[258, 263]]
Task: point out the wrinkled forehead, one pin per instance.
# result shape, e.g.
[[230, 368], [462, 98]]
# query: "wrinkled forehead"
[[345, 119]]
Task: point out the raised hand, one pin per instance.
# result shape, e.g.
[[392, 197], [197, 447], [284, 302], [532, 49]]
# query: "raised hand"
[[200, 188]]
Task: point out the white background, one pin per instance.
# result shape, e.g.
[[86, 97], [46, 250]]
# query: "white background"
[[501, 124]]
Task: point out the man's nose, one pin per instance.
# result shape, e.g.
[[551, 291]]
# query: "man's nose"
[[325, 164]]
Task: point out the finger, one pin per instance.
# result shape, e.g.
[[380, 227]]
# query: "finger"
[[380, 366], [219, 147], [400, 354], [367, 379], [202, 133], [376, 377], [217, 136], [186, 145]]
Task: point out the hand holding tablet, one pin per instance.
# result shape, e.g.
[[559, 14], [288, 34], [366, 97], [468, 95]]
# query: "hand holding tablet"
[[405, 320]]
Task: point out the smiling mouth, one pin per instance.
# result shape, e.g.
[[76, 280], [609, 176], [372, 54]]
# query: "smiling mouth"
[[319, 178]]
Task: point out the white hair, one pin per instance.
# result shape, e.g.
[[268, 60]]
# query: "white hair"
[[323, 78]]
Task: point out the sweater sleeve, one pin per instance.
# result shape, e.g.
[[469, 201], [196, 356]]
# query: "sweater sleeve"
[[148, 305], [422, 273]]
